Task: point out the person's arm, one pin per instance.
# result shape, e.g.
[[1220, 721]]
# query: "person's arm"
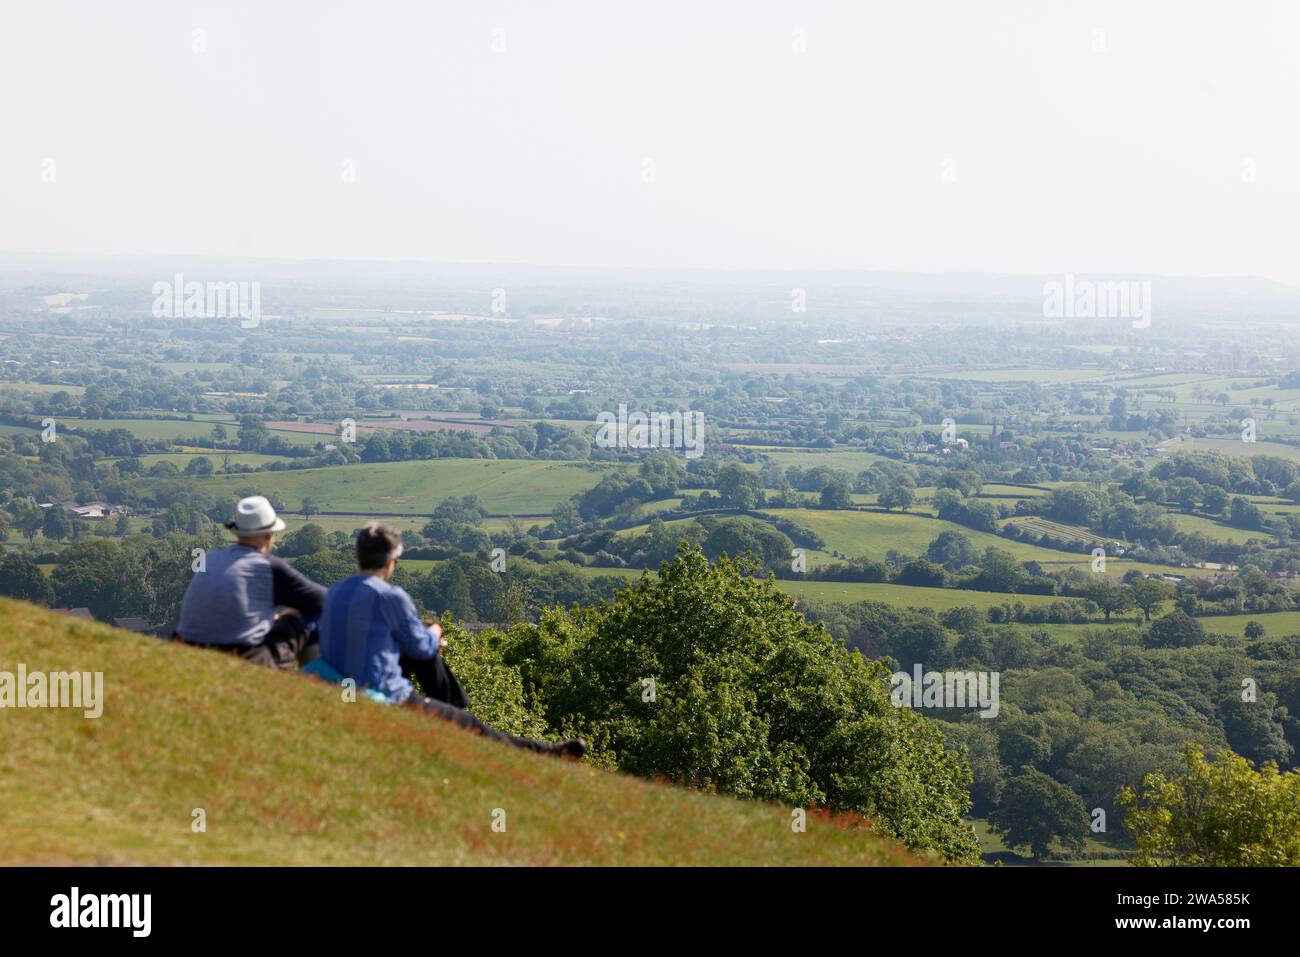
[[416, 639], [290, 588]]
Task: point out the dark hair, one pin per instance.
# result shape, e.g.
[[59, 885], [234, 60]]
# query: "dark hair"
[[376, 544]]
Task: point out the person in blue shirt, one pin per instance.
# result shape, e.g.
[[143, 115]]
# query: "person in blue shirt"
[[371, 632]]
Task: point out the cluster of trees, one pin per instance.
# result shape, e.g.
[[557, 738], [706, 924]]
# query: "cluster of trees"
[[734, 536], [140, 576], [145, 577], [1092, 717], [618, 493], [1250, 591], [1215, 813], [733, 485], [1192, 476], [707, 676], [973, 513], [1113, 513], [710, 646], [540, 440], [951, 561]]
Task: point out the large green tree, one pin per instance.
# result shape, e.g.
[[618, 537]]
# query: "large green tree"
[[1037, 810], [739, 487], [1220, 813], [22, 578], [707, 674], [897, 494], [100, 575], [28, 518], [1149, 594], [1108, 596], [56, 525]]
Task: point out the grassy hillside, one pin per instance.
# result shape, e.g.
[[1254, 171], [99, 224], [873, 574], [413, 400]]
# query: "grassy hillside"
[[287, 773]]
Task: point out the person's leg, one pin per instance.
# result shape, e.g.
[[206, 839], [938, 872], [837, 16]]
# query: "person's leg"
[[310, 650], [282, 644], [259, 654], [466, 720], [436, 680]]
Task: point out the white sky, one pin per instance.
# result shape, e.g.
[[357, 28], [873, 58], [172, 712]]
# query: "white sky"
[[1065, 159]]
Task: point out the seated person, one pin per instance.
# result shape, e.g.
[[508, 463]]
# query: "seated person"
[[231, 604], [369, 628]]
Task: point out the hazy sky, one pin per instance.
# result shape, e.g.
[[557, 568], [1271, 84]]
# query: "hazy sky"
[[984, 136]]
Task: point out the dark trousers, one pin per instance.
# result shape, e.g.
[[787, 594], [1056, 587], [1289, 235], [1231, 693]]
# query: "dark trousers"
[[445, 698], [466, 720], [285, 644], [436, 680]]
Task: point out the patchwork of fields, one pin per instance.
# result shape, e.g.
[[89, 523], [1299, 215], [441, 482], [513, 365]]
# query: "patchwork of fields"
[[345, 497]]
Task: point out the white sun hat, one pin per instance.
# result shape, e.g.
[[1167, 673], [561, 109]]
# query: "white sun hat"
[[255, 516]]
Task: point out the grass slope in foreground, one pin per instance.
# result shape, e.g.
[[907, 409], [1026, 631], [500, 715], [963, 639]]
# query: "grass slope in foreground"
[[287, 773]]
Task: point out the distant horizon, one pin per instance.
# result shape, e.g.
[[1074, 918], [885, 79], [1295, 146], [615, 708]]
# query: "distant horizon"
[[614, 267]]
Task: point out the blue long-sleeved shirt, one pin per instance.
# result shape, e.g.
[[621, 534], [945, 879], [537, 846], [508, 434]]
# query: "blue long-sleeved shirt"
[[367, 625]]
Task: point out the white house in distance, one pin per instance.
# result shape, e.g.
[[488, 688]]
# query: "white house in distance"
[[93, 511]]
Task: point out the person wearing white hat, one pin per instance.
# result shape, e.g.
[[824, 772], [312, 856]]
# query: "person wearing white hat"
[[249, 602]]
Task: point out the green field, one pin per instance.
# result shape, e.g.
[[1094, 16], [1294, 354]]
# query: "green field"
[[847, 460], [656, 507], [350, 523], [1276, 624], [872, 534], [287, 773], [1217, 531], [1045, 376], [172, 430], [183, 367], [1235, 447], [994, 490], [506, 486], [152, 430], [217, 458], [1098, 853], [42, 388], [1118, 567], [1075, 535], [906, 596], [414, 523]]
